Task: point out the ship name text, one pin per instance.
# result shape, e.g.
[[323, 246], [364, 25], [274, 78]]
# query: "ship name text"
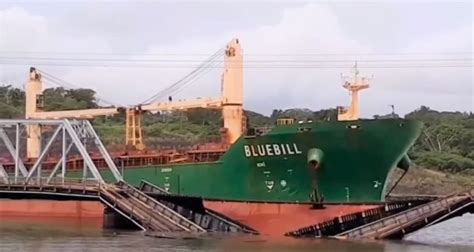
[[262, 150]]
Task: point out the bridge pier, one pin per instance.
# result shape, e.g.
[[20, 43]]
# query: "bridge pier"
[[114, 220]]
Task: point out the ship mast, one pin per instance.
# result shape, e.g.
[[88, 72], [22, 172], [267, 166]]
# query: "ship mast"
[[354, 85]]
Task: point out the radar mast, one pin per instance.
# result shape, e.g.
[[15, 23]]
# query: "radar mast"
[[354, 84]]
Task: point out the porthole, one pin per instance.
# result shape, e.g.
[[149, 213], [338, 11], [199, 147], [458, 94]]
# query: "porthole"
[[353, 126]]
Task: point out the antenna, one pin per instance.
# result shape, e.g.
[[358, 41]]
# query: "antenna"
[[393, 110], [356, 72]]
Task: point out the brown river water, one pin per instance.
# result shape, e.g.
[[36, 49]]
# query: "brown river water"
[[33, 234]]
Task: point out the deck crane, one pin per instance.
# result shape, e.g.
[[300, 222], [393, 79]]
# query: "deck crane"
[[34, 105], [230, 101]]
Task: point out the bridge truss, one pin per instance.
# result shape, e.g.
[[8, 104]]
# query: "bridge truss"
[[59, 138]]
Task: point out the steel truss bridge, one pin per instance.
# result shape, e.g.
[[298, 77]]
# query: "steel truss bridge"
[[148, 212]]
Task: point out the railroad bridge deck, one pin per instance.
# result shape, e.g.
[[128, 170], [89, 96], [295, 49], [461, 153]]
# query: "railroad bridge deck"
[[398, 225], [142, 210], [69, 190], [150, 213], [394, 220]]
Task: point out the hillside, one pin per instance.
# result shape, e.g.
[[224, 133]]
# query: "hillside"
[[426, 181], [446, 144]]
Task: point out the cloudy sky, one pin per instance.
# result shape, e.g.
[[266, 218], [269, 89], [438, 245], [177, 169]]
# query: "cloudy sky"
[[419, 52]]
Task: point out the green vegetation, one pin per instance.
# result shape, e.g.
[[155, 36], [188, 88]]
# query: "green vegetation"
[[446, 144], [426, 181], [12, 102], [68, 99], [167, 129]]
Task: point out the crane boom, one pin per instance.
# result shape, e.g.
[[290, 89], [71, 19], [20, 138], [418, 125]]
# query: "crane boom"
[[230, 102], [75, 114], [182, 105]]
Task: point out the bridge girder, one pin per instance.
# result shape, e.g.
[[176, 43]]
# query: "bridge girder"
[[68, 134]]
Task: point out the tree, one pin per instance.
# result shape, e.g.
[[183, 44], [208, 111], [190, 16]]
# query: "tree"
[[11, 102], [68, 99], [440, 137], [446, 142], [325, 115], [86, 96]]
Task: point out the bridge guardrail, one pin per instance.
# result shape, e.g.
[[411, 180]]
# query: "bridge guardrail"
[[54, 181]]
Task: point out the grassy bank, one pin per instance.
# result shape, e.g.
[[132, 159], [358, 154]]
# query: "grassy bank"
[[425, 181]]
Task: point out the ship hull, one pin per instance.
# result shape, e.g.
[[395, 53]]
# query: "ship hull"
[[266, 182], [54, 214], [356, 159], [269, 219], [277, 219], [51, 209], [328, 162]]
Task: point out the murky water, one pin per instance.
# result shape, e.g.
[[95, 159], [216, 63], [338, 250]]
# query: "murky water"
[[28, 234]]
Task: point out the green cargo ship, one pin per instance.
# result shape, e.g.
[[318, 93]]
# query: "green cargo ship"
[[340, 161], [272, 180]]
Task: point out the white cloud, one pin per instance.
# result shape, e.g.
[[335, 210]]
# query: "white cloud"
[[311, 28]]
